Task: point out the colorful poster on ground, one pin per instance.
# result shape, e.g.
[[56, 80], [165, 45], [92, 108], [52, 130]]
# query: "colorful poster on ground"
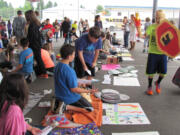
[[110, 66], [168, 38], [137, 133], [124, 114], [125, 81]]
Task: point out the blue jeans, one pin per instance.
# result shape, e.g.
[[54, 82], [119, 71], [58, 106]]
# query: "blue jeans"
[[126, 39], [56, 35], [67, 39], [146, 42]]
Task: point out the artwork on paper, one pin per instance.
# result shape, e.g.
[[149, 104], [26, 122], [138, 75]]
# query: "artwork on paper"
[[126, 81], [110, 66], [138, 133], [124, 114], [168, 38]]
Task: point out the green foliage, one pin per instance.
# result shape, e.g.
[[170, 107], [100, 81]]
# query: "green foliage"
[[3, 4], [81, 6], [40, 5], [6, 11], [27, 6], [55, 4], [99, 9], [107, 12], [49, 4]]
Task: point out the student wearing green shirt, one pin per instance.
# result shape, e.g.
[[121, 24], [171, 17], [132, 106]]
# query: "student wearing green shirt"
[[157, 61]]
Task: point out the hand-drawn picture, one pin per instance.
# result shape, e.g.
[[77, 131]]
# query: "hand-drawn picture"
[[124, 114]]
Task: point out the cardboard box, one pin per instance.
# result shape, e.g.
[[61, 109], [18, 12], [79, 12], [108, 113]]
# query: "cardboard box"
[[112, 60]]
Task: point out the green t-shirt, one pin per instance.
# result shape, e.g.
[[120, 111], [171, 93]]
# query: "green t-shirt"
[[152, 40]]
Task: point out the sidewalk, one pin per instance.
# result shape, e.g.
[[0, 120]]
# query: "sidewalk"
[[162, 110]]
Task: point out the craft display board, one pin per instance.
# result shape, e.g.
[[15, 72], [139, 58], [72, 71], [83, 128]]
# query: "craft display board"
[[137, 133], [168, 38], [110, 66], [126, 81], [124, 114]]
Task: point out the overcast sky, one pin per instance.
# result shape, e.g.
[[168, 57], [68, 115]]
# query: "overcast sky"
[[91, 4]]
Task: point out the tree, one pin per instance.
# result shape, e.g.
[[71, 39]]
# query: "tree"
[[27, 6], [6, 11], [99, 9], [81, 6], [55, 4], [40, 5], [107, 12], [3, 4], [49, 4]]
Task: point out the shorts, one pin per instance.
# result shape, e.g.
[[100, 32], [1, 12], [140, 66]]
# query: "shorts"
[[83, 103], [80, 71], [132, 37], [156, 64], [49, 40]]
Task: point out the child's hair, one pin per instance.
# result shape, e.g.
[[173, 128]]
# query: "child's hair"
[[102, 35], [95, 32], [172, 22], [37, 13], [19, 12], [47, 47], [66, 50], [12, 40], [147, 19], [13, 89], [24, 42], [9, 51], [108, 36]]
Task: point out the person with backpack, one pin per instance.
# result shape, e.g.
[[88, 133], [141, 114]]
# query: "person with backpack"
[[18, 25]]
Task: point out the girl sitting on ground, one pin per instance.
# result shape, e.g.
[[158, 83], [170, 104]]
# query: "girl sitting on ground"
[[13, 99]]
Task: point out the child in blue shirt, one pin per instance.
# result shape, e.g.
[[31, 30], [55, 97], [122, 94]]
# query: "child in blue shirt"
[[87, 52], [66, 86], [26, 59]]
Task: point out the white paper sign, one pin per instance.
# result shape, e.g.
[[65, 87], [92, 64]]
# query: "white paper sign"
[[123, 81], [127, 59]]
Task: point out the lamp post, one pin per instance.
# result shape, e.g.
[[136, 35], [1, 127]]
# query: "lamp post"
[[155, 4]]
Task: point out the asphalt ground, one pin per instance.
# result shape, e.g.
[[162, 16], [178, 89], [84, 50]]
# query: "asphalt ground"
[[163, 111]]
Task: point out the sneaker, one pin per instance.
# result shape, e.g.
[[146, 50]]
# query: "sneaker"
[[44, 76], [149, 91], [62, 109], [158, 89]]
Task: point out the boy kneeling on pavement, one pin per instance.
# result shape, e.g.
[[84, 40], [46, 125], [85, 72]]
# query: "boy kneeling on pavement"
[[66, 85]]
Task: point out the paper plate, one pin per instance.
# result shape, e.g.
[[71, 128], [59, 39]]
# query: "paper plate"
[[109, 90]]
